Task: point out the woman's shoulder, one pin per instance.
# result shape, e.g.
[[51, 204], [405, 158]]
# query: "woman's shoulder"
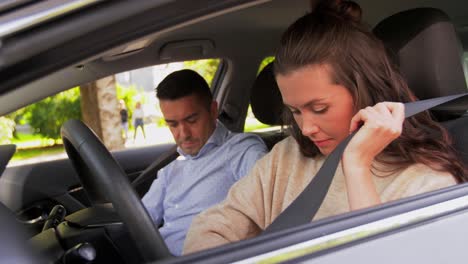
[[426, 170], [286, 145], [428, 178], [285, 151], [415, 179]]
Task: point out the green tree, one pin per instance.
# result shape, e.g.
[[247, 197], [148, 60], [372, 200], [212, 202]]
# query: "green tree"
[[127, 94], [17, 118], [47, 116], [130, 94], [206, 68], [6, 130], [265, 62]]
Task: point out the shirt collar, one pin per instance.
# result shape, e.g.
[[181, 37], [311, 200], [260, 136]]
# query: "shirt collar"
[[217, 138]]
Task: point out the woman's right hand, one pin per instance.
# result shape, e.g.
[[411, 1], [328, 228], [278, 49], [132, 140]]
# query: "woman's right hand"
[[378, 126]]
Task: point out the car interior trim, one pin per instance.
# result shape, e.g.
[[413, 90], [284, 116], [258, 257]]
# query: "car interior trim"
[[46, 12], [361, 231]]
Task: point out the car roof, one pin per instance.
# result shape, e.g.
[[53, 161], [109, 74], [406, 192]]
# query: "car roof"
[[108, 37]]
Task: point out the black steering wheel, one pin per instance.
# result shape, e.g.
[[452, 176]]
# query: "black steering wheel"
[[104, 181]]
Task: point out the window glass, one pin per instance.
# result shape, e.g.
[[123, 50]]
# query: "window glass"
[[138, 86], [37, 133], [465, 65], [265, 62]]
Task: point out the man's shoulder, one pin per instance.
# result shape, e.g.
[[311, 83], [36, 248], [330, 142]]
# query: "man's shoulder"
[[245, 139]]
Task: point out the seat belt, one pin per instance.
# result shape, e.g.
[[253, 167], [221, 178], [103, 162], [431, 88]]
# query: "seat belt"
[[303, 209], [151, 171]]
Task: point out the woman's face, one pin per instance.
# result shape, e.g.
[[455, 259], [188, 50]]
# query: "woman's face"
[[322, 110]]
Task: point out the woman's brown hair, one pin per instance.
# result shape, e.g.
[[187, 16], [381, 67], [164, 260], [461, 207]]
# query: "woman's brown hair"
[[333, 35]]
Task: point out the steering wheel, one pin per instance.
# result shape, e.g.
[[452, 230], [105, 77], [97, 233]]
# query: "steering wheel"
[[105, 181]]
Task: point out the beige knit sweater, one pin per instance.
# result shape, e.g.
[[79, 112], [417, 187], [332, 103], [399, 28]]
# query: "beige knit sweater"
[[276, 180]]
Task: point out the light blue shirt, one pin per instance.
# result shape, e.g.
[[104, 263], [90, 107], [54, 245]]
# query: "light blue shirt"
[[191, 184]]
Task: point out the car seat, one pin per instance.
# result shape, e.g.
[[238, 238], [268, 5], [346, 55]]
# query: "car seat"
[[267, 105], [425, 45]]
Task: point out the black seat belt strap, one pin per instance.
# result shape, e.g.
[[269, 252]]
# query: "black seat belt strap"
[[149, 174], [303, 209]]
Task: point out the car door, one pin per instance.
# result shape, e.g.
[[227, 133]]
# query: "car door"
[[32, 190]]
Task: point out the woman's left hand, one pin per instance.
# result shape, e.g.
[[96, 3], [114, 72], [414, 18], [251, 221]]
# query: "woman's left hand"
[[380, 125]]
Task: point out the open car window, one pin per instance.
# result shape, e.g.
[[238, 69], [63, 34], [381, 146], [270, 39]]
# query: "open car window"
[[37, 134]]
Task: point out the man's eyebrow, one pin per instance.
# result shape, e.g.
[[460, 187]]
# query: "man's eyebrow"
[[190, 116], [169, 121], [184, 119]]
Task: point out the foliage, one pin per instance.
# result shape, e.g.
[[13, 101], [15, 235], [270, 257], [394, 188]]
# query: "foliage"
[[265, 62], [28, 141], [6, 129], [47, 116], [27, 153], [130, 95], [17, 118], [206, 68], [253, 125]]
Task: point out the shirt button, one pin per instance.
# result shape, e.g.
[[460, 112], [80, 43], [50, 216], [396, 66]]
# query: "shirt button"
[[176, 206], [168, 224]]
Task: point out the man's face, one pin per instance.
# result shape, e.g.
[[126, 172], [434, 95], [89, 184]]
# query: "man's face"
[[190, 121]]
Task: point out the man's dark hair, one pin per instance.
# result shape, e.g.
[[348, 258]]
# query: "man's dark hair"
[[184, 83]]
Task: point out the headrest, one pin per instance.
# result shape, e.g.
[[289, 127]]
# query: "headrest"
[[423, 42], [265, 97]]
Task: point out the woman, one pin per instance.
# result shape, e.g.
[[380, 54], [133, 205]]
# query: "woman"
[[124, 118], [138, 120], [335, 78]]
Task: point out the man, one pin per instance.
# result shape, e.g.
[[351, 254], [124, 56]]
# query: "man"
[[124, 117], [211, 157]]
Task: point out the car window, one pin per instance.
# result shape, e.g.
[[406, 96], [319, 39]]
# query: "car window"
[[138, 86], [465, 65], [37, 133]]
